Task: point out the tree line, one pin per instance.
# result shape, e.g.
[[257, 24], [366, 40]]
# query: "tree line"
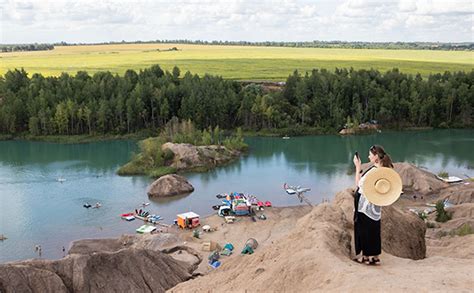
[[106, 103], [463, 46], [26, 47]]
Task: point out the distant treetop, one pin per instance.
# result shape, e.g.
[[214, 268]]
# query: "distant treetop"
[[463, 46]]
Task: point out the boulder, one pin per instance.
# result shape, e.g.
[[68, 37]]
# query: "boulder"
[[403, 233], [169, 185]]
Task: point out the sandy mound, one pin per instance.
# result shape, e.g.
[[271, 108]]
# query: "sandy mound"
[[417, 180], [169, 185], [126, 270], [459, 193], [315, 256]]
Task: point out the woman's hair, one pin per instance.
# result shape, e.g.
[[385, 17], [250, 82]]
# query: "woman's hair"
[[385, 159]]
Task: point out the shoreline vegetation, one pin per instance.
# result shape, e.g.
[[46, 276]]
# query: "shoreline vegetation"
[[86, 108], [205, 150]]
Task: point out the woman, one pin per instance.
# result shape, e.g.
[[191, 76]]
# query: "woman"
[[367, 215]]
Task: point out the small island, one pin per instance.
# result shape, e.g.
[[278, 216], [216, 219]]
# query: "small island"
[[181, 147]]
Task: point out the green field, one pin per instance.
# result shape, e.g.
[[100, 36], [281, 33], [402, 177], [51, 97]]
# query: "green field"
[[233, 62]]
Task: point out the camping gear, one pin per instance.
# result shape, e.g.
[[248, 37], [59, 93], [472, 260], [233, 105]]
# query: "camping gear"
[[188, 220], [240, 206], [146, 229], [247, 250], [229, 219], [215, 264], [213, 256], [252, 243], [382, 186], [227, 250], [210, 246], [224, 211], [268, 204], [262, 217], [206, 228], [229, 246], [252, 199]]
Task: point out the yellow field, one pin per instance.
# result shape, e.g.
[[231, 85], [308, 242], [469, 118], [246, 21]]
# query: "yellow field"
[[234, 62]]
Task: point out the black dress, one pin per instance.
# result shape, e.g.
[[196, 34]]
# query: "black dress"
[[367, 237]]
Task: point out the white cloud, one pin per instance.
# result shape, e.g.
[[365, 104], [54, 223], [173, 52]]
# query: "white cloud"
[[105, 20]]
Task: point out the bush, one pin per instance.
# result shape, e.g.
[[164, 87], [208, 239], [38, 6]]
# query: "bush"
[[168, 155], [443, 174], [441, 214]]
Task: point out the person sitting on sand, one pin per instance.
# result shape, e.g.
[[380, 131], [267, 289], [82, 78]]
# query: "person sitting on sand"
[[367, 215]]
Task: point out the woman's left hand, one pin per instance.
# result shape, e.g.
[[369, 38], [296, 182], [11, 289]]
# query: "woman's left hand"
[[357, 162]]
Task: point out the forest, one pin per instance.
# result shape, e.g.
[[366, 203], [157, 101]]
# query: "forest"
[[320, 100]]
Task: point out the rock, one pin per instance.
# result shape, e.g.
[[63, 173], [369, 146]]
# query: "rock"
[[403, 233], [169, 185], [125, 270], [188, 156]]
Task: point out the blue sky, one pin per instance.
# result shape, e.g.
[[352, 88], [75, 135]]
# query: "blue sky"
[[24, 21]]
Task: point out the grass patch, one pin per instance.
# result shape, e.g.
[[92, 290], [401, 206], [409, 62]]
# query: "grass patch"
[[464, 230], [161, 171]]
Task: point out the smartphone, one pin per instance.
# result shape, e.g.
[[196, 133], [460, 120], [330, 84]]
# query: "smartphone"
[[357, 154]]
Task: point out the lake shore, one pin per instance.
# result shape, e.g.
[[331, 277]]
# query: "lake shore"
[[307, 246]]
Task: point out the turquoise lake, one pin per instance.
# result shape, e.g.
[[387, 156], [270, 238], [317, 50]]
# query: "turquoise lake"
[[37, 209]]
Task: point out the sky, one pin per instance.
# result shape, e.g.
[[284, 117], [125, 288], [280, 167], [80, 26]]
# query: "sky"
[[89, 21]]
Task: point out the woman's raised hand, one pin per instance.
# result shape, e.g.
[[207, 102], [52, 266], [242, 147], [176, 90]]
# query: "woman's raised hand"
[[357, 162]]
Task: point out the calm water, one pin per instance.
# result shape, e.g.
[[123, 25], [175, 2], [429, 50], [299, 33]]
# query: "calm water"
[[36, 209]]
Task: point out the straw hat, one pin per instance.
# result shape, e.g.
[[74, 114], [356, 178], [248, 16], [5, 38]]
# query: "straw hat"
[[382, 186]]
